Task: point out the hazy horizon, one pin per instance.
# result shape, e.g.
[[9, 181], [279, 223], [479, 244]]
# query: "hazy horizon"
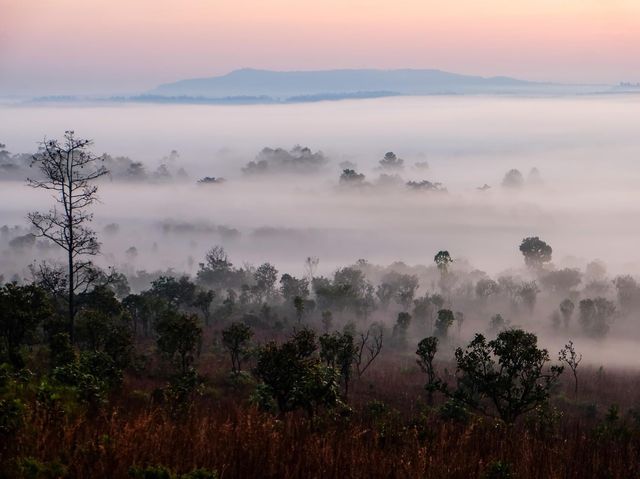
[[132, 47], [467, 142]]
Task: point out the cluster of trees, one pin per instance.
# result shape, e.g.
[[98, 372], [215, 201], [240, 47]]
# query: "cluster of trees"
[[297, 160], [94, 329], [515, 179], [390, 166], [16, 166]]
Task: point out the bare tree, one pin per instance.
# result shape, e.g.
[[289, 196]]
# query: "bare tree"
[[68, 170], [369, 348], [571, 358]]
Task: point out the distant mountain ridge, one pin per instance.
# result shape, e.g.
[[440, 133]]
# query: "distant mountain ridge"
[[286, 84], [250, 86]]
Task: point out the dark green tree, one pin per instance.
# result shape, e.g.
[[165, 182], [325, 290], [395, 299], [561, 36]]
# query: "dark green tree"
[[299, 305], [265, 278], [400, 329], [442, 260], [427, 349], [338, 351], [202, 301], [290, 287], [327, 321], [235, 338], [178, 293], [22, 310], [507, 376], [443, 322], [295, 377], [178, 337], [535, 251]]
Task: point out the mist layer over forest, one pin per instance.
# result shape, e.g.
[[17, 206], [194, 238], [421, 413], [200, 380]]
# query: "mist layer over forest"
[[577, 157]]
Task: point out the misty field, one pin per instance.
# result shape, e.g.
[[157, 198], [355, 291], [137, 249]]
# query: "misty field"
[[442, 287]]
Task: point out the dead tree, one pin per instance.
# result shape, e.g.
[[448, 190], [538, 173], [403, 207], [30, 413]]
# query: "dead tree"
[[369, 348]]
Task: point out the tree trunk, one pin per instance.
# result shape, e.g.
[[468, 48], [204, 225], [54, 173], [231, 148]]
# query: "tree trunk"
[[71, 297]]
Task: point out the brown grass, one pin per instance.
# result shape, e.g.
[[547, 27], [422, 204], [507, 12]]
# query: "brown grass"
[[223, 432]]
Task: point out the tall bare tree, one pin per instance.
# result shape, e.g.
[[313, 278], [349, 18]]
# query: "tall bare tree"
[[69, 170]]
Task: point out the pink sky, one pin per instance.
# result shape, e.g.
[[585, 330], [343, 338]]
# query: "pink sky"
[[104, 46]]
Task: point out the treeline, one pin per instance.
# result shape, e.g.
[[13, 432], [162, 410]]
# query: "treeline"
[[187, 377]]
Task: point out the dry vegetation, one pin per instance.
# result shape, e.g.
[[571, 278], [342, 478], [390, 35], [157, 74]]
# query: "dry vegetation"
[[387, 432]]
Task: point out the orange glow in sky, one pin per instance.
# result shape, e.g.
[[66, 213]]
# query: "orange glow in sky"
[[64, 46]]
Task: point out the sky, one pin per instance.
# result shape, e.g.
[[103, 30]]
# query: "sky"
[[129, 46]]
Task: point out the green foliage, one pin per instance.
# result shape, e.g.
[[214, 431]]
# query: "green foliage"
[[290, 287], [178, 338], [265, 278], [235, 338], [338, 351], [263, 397], [31, 468], [544, 420], [443, 322], [22, 310], [182, 389], [327, 321], [162, 472], [108, 332], [507, 372], [442, 260], [298, 305], [11, 416], [427, 349], [178, 293], [202, 301], [399, 287], [499, 470], [91, 376], [454, 411], [12, 406], [143, 309], [60, 350], [535, 251], [348, 290], [295, 377], [384, 420]]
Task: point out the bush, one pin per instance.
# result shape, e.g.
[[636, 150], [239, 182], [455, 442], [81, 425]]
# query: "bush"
[[454, 411], [161, 472], [31, 468], [92, 376], [498, 470]]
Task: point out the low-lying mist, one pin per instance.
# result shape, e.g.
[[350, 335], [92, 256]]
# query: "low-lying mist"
[[581, 197]]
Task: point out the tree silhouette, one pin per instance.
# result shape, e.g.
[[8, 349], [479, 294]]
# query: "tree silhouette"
[[69, 170], [535, 251], [506, 375]]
